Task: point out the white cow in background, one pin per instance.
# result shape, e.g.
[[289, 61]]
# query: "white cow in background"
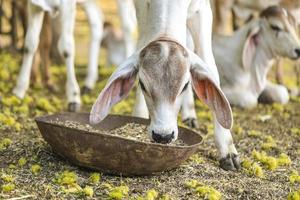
[[165, 68], [245, 58], [245, 10], [64, 11]]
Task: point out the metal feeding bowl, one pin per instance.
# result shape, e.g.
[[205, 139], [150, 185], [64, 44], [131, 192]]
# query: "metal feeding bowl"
[[111, 153]]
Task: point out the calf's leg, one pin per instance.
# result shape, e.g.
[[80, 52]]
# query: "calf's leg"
[[140, 107], [296, 91], [188, 112], [35, 68], [45, 46], [95, 19], [128, 21], [279, 71], [274, 93], [229, 158], [67, 50], [200, 26], [240, 97], [35, 21]]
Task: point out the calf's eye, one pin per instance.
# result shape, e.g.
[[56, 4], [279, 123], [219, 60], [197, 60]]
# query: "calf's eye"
[[142, 86], [275, 28], [185, 87]]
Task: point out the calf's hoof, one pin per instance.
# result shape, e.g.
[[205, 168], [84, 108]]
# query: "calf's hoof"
[[74, 107], [191, 122], [230, 163], [19, 92], [85, 90]]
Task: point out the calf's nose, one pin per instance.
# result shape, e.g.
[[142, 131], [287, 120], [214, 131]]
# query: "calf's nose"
[[297, 52], [163, 139]]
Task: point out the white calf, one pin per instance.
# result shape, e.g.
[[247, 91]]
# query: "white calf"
[[245, 58], [245, 10], [165, 68], [65, 10]]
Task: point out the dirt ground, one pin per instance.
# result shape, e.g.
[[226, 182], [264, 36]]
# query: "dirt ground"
[[252, 131]]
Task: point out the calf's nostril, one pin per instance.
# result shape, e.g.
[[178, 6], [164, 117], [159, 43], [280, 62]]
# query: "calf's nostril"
[[163, 139], [156, 137]]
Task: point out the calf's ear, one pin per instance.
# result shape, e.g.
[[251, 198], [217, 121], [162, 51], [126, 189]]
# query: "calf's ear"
[[250, 47], [117, 88], [206, 85]]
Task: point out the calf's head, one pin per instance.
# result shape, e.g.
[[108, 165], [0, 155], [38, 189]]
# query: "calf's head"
[[164, 69], [281, 32]]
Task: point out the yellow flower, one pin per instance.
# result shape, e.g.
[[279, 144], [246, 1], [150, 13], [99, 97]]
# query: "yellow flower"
[[192, 184], [257, 170], [254, 133], [9, 121], [17, 126], [27, 100], [6, 142], [278, 107], [165, 197], [45, 105], [88, 191], [35, 169], [209, 193], [238, 130], [151, 195], [7, 178], [73, 189], [94, 178], [196, 159], [295, 131], [284, 160], [11, 101], [22, 161], [294, 196], [8, 187], [271, 163], [119, 193], [4, 75], [247, 164], [66, 178], [21, 109], [294, 177]]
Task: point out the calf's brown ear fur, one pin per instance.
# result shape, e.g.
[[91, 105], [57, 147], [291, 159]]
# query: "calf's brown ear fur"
[[206, 85], [250, 47], [116, 89]]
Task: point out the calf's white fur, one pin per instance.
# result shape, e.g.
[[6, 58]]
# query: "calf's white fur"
[[165, 67]]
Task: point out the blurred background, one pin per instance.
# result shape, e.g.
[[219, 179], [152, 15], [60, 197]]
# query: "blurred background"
[[229, 15], [13, 14]]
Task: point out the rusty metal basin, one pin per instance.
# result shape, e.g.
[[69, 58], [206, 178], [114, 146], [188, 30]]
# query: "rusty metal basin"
[[110, 153]]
